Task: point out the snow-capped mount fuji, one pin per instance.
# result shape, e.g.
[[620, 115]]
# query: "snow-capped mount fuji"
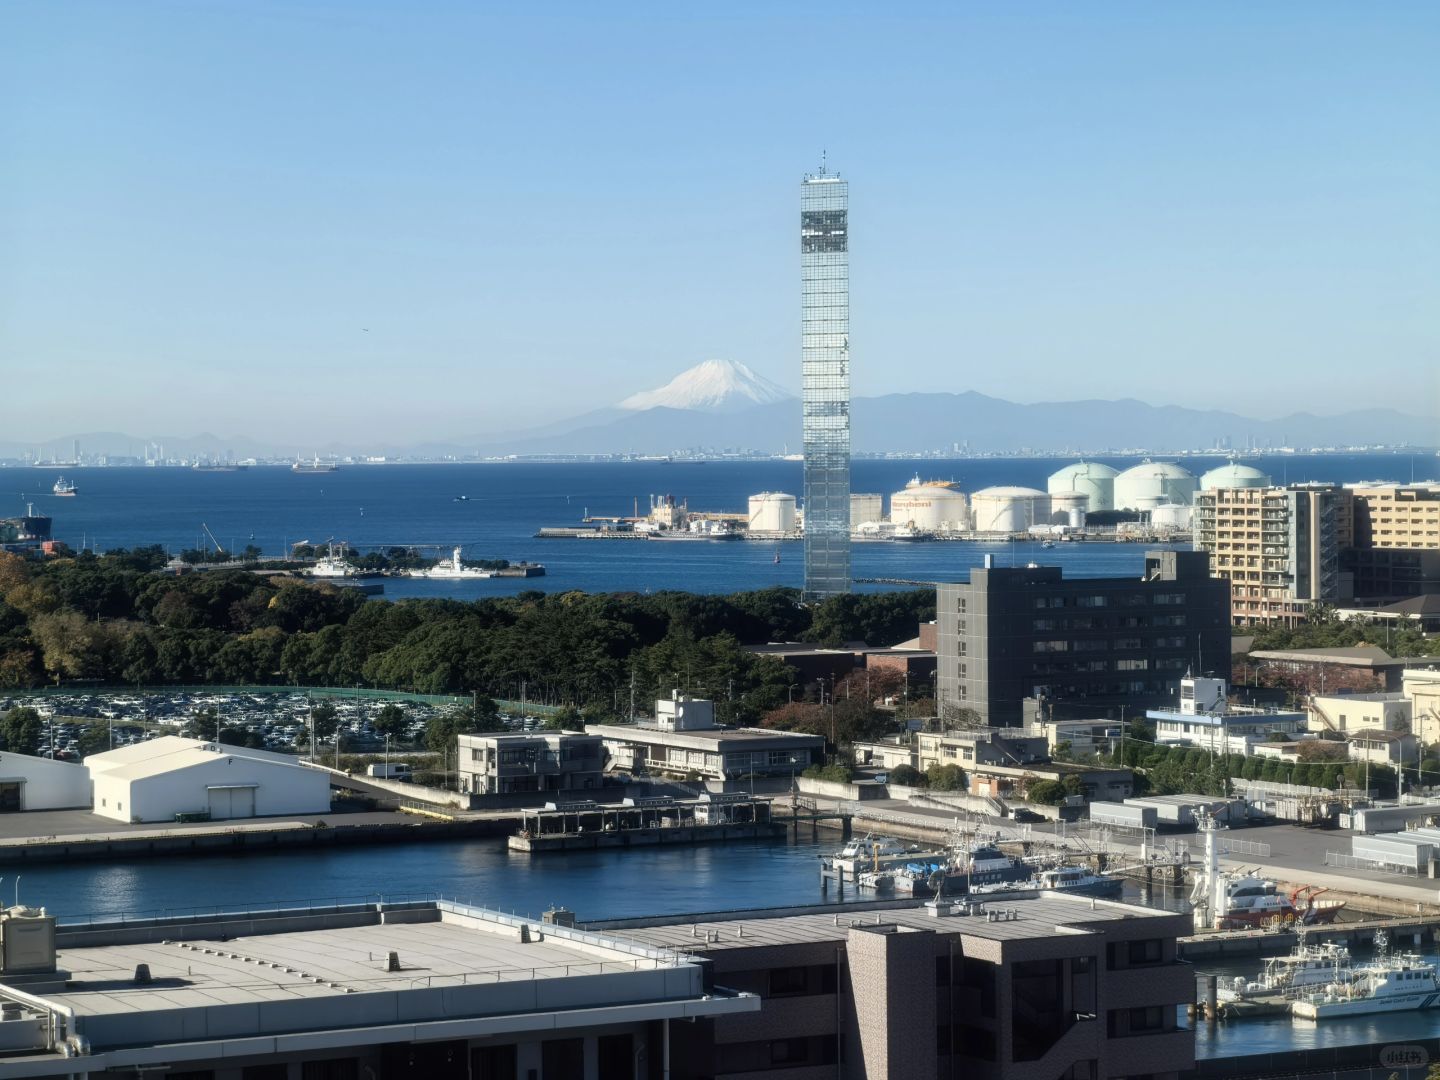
[[711, 386]]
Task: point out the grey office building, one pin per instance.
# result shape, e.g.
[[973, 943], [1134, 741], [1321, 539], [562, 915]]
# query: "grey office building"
[[1086, 647], [825, 371]]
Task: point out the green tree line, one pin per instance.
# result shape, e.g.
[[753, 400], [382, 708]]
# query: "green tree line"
[[115, 619]]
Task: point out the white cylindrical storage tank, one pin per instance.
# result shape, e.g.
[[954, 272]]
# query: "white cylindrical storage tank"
[[772, 512], [1171, 516], [866, 508], [931, 506], [1151, 484], [1066, 506], [1008, 509], [1089, 477], [1233, 475]]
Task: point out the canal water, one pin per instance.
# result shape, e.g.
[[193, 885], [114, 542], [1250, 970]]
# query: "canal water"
[[593, 884]]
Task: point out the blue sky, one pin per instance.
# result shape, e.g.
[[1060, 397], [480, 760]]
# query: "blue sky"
[[438, 219]]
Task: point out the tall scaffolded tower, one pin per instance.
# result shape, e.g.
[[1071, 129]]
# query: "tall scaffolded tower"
[[825, 373]]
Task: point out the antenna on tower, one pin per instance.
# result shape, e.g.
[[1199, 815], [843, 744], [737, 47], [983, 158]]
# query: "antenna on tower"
[[822, 162]]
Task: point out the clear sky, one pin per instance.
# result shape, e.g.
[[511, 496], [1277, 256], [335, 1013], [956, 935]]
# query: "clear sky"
[[444, 220]]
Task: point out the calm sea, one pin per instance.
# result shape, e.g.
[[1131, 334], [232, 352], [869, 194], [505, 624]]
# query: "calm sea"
[[506, 503]]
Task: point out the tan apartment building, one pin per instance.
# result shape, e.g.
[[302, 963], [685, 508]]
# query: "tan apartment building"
[[1279, 547], [1396, 515]]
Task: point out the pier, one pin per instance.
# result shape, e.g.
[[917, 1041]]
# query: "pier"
[[645, 822]]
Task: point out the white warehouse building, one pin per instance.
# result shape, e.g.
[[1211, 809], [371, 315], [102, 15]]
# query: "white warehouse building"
[[1090, 478], [929, 506], [1154, 483], [772, 512], [158, 779], [1008, 509], [36, 783]]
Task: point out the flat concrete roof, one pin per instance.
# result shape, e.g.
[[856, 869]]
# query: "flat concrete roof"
[[1038, 915], [316, 964], [716, 734]]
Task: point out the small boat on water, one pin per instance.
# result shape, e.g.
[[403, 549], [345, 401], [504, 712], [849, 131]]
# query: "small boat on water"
[[1306, 968], [1250, 902], [1066, 879], [871, 853], [960, 870], [451, 569], [1392, 982], [64, 487]]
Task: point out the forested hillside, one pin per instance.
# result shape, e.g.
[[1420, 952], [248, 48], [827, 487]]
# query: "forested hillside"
[[115, 619]]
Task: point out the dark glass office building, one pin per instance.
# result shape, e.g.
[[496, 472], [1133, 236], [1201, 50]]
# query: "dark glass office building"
[[825, 372], [1086, 647]]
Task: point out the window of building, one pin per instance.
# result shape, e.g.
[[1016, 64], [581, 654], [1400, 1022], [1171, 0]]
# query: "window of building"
[[1051, 645], [615, 1057], [789, 1051], [330, 1069], [1091, 601], [1129, 643], [1132, 665], [562, 1057], [1169, 598], [782, 981], [493, 1062]]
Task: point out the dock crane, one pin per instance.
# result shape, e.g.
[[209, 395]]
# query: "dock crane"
[[218, 549]]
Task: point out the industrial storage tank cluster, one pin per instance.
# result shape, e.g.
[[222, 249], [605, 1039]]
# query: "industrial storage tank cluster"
[[1088, 478], [1069, 508], [1234, 475], [866, 508], [772, 512], [1008, 509], [929, 506], [1153, 483]]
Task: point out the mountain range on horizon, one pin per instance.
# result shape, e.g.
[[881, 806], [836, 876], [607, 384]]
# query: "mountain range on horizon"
[[723, 404]]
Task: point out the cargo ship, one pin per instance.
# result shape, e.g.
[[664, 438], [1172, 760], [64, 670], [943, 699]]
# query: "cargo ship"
[[32, 528], [314, 466], [64, 487]]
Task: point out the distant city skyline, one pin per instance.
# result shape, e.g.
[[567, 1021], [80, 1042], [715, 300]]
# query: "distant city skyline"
[[316, 222]]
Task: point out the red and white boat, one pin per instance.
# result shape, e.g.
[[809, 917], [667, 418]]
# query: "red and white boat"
[[1249, 902]]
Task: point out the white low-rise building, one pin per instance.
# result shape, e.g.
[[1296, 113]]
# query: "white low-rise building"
[[166, 777], [1207, 720], [1348, 713], [1381, 747], [36, 783]]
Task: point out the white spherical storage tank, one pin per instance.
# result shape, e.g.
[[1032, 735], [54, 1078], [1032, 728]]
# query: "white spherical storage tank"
[[1171, 516], [1008, 509], [1151, 484], [865, 508], [1069, 508], [772, 511], [1234, 475], [931, 506], [1089, 477]]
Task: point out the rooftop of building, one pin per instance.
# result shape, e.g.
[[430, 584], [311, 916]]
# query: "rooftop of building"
[[1036, 915], [719, 734], [170, 753], [1350, 656], [1378, 735], [804, 648]]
